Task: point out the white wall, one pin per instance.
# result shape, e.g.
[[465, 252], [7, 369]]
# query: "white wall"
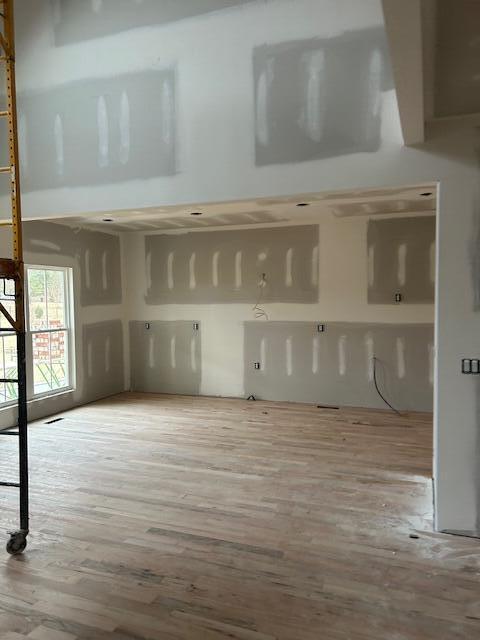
[[213, 58]]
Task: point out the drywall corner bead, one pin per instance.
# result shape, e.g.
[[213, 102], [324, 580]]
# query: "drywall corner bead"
[[299, 364], [227, 266], [320, 98], [87, 127], [103, 361], [399, 257], [166, 357], [75, 21]]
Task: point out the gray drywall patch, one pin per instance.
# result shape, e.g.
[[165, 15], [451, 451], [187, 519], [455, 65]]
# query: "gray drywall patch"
[[101, 274], [321, 97], [299, 364], [100, 131], [227, 266], [75, 20], [97, 253], [103, 369], [401, 259], [165, 357]]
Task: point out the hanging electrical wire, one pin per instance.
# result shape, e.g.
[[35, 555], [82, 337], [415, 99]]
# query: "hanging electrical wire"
[[375, 382], [258, 310]]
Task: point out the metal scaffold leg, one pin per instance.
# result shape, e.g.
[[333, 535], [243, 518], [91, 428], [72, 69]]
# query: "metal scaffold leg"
[[12, 269]]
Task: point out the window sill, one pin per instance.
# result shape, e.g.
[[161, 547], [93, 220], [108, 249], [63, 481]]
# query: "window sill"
[[47, 396]]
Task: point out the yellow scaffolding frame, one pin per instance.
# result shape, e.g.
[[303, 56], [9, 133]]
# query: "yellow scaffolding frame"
[[12, 269]]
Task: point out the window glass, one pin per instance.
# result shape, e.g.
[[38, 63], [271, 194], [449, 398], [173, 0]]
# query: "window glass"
[[37, 299]]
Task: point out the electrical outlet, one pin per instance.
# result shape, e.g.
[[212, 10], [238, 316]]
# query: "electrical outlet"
[[471, 366], [320, 328], [398, 297], [196, 326], [256, 365]]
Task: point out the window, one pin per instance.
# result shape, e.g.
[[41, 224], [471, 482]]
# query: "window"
[[49, 328], [49, 334]]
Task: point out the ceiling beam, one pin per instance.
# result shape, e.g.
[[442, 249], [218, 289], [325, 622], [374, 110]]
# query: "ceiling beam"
[[403, 24]]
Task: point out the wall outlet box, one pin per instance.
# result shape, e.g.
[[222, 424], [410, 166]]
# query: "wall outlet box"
[[471, 366], [256, 365], [147, 326], [320, 328], [196, 326], [398, 297]]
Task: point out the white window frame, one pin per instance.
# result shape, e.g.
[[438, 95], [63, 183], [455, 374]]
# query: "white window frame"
[[68, 328]]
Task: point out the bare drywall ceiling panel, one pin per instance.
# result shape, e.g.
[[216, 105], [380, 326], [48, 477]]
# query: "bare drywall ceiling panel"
[[458, 58], [77, 20], [99, 131], [165, 357], [299, 364], [401, 260], [228, 266], [321, 97], [98, 255], [103, 368]]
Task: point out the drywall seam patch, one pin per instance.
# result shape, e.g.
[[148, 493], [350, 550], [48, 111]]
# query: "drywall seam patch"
[[399, 258], [226, 266], [165, 357], [339, 371]]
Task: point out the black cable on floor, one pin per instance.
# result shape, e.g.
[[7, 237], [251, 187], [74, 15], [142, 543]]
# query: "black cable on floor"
[[378, 390]]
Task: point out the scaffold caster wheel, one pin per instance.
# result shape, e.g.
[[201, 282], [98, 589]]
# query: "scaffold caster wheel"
[[17, 543]]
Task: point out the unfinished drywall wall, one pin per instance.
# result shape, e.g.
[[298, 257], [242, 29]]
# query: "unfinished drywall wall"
[[97, 315], [401, 260], [99, 51], [333, 255], [166, 357], [76, 20], [98, 254], [320, 97], [103, 362], [228, 267], [99, 131], [336, 367]]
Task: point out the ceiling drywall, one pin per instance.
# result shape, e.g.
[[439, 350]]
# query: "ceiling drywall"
[[298, 208]]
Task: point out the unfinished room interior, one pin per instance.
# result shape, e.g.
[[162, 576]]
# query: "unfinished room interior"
[[240, 319]]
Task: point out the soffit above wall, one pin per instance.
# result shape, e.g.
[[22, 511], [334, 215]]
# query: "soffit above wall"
[[377, 202], [457, 75]]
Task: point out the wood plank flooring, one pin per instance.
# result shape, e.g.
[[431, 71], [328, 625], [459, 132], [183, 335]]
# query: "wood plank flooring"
[[172, 518]]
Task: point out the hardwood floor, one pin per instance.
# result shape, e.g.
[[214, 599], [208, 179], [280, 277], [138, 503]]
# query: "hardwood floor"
[[162, 517]]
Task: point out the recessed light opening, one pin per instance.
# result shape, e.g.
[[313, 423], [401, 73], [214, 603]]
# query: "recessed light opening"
[[426, 194], [196, 213], [107, 219], [303, 204]]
